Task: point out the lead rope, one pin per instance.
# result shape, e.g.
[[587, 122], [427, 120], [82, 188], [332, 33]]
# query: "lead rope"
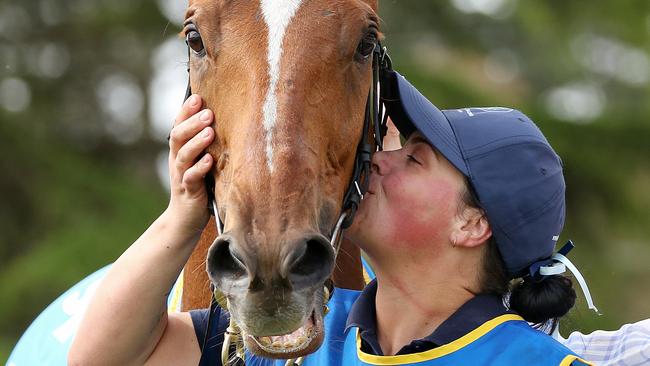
[[233, 342]]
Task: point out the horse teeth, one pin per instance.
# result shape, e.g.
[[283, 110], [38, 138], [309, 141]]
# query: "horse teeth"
[[285, 343]]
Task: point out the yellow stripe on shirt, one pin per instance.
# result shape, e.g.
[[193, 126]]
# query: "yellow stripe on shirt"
[[439, 351]]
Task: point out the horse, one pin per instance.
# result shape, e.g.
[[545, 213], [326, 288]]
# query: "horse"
[[288, 82]]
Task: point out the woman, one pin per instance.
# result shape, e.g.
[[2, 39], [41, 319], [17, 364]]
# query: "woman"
[[474, 199]]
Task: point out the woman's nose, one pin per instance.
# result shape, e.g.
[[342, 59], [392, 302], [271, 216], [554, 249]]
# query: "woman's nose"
[[382, 161]]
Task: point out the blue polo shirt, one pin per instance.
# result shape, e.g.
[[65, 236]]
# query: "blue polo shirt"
[[468, 317]]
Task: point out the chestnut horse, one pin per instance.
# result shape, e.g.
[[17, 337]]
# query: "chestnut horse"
[[288, 81]]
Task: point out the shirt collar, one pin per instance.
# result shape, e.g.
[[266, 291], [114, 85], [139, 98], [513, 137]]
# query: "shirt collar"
[[362, 313], [471, 315], [468, 317]]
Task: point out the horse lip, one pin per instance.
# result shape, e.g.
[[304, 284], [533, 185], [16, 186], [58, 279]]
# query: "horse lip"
[[314, 341]]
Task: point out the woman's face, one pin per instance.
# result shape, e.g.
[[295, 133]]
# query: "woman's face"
[[411, 204]]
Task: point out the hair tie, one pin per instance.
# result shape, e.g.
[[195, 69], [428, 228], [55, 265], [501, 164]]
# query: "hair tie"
[[557, 264]]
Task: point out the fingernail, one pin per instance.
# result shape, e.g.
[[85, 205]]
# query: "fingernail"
[[194, 100], [206, 158], [205, 116], [206, 133]]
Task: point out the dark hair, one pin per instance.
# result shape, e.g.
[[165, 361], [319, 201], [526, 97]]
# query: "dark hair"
[[540, 302]]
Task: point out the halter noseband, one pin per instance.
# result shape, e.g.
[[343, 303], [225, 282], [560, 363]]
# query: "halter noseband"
[[374, 123]]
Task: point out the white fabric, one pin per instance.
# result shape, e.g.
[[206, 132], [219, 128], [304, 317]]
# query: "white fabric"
[[627, 346], [554, 269]]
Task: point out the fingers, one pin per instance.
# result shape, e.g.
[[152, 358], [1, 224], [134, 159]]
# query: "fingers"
[[193, 178], [186, 129], [191, 135], [191, 150], [392, 139], [190, 107]]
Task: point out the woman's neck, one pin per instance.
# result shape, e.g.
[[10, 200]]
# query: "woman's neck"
[[409, 308]]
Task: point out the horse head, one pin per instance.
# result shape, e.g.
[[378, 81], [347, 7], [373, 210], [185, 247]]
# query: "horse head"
[[288, 81]]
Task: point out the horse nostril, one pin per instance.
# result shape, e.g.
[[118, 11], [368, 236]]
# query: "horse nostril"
[[224, 263], [312, 262]]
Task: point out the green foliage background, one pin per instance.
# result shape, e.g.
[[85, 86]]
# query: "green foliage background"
[[72, 198]]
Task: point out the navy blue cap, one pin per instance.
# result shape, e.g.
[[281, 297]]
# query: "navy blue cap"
[[511, 166]]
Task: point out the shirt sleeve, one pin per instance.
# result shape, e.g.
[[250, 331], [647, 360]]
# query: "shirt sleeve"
[[629, 345], [213, 338]]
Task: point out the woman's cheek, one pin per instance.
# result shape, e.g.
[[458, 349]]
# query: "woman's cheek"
[[423, 215]]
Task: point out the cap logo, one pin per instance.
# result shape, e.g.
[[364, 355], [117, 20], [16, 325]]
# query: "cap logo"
[[556, 237], [474, 111]]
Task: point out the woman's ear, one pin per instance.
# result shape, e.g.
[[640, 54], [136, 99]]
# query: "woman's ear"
[[472, 230]]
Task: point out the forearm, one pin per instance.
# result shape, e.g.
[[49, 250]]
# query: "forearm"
[[127, 315]]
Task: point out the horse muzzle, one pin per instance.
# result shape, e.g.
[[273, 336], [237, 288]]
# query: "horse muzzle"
[[275, 296]]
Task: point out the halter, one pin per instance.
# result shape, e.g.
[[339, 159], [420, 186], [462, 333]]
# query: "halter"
[[374, 124]]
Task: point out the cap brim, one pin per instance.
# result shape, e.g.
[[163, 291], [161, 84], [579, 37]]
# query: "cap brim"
[[411, 111]]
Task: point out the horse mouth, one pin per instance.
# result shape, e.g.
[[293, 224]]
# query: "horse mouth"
[[300, 342]]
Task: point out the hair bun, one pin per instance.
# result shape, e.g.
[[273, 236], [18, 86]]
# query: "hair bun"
[[538, 302]]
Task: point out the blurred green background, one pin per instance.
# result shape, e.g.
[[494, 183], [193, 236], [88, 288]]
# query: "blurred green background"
[[88, 90]]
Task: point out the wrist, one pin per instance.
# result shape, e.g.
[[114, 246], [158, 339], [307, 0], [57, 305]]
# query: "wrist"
[[179, 229]]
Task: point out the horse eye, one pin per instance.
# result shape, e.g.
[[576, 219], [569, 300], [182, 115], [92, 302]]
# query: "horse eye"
[[366, 46], [194, 41]]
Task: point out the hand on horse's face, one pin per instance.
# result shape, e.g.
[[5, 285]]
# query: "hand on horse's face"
[[188, 165]]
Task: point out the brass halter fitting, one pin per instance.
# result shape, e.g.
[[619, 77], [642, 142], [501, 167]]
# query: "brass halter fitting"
[[295, 362], [232, 336]]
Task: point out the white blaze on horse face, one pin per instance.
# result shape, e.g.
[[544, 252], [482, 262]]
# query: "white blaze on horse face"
[[277, 15]]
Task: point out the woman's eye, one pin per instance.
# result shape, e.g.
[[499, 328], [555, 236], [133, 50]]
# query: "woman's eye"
[[194, 41], [413, 159], [366, 46]]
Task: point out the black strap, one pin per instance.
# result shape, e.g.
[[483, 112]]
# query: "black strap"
[[358, 185], [209, 179], [188, 91]]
